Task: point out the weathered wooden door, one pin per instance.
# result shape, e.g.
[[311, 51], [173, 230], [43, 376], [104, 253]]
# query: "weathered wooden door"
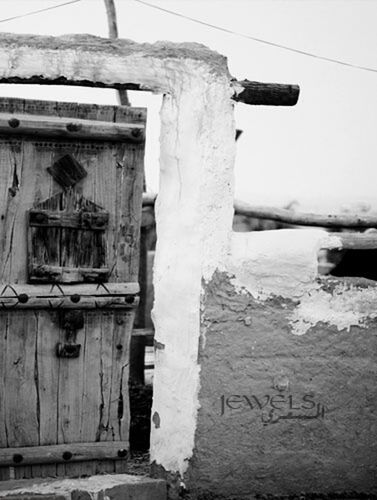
[[70, 208]]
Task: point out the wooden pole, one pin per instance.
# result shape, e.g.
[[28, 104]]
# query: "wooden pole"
[[356, 221], [305, 219], [268, 94], [113, 34], [264, 96], [72, 128]]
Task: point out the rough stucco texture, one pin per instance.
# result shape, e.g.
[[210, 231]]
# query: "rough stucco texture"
[[282, 413]]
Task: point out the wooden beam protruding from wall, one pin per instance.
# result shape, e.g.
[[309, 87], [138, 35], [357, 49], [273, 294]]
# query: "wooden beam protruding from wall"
[[268, 94]]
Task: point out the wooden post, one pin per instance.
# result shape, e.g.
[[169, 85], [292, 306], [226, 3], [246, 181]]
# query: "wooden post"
[[113, 33]]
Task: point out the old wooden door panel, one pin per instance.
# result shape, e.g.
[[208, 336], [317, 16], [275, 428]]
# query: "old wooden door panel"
[[23, 167], [48, 401]]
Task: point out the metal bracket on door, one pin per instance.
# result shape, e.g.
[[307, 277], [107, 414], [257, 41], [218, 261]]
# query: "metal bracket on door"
[[71, 321]]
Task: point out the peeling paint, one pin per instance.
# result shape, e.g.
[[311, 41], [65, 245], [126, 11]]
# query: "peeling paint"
[[284, 263], [343, 307]]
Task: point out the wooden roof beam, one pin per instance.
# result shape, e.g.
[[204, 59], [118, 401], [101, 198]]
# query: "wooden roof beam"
[[267, 94], [255, 93]]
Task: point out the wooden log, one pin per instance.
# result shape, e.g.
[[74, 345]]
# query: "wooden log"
[[62, 80], [356, 241], [63, 453], [287, 216], [254, 93], [113, 34], [52, 126], [267, 94], [107, 296], [305, 219]]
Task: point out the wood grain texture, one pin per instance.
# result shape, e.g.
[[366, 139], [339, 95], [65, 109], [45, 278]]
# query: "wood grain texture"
[[306, 219], [268, 94], [66, 240], [74, 452], [83, 296], [122, 177], [61, 127], [45, 400], [21, 390]]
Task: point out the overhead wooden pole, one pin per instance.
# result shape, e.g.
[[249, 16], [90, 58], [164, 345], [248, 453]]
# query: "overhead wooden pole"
[[283, 215], [113, 33]]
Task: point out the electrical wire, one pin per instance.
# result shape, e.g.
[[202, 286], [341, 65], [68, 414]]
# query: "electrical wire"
[[255, 39], [38, 11]]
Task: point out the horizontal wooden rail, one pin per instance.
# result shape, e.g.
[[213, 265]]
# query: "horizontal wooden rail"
[[305, 219], [63, 453], [290, 217], [109, 295], [71, 128], [267, 94], [355, 241], [254, 93]]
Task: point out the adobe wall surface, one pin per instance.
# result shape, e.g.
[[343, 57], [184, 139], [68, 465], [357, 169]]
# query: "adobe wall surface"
[[288, 397]]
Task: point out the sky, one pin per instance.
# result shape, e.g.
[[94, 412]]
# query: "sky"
[[321, 153]]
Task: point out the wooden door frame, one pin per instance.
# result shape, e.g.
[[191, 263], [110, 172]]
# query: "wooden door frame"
[[195, 205]]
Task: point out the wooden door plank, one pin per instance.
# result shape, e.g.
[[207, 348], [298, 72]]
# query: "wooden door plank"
[[90, 417], [128, 203], [32, 183], [119, 411], [47, 387], [48, 337], [11, 172], [106, 431], [70, 390], [22, 397], [3, 357]]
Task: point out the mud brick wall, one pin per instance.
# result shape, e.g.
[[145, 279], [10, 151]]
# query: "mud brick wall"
[[288, 404]]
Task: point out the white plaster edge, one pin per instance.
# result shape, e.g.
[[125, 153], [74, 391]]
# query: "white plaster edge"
[[194, 211]]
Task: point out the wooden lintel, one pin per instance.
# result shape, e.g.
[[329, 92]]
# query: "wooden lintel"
[[61, 80], [267, 94], [63, 453], [255, 93], [69, 128], [87, 296]]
